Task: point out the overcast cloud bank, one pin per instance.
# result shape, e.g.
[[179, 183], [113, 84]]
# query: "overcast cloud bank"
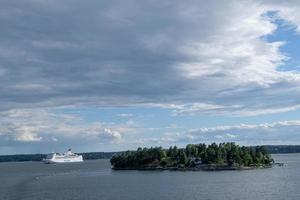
[[192, 57]]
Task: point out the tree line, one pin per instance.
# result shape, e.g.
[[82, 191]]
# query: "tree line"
[[227, 154], [40, 157]]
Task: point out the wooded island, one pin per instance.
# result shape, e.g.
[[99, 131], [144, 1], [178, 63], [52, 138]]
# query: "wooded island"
[[223, 156]]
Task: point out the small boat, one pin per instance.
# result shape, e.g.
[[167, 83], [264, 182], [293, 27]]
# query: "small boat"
[[67, 157]]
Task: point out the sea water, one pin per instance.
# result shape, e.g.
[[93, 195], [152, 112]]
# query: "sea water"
[[95, 180]]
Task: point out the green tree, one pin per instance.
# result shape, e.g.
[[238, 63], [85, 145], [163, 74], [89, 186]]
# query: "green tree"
[[182, 157]]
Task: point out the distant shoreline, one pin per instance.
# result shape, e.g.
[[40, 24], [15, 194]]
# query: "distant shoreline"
[[40, 157], [272, 149]]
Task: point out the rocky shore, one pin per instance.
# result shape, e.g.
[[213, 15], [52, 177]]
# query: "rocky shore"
[[208, 167]]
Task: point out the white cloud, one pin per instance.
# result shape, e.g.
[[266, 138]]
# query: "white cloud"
[[27, 137], [125, 115], [37, 125], [191, 57], [281, 132], [210, 58], [287, 10]]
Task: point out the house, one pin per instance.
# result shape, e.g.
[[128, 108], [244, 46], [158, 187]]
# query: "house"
[[197, 161]]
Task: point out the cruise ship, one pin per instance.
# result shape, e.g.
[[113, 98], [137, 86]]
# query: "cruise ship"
[[67, 157]]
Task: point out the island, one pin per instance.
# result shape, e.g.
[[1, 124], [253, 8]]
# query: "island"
[[223, 156]]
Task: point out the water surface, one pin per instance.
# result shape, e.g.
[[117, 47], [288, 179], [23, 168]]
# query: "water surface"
[[95, 180]]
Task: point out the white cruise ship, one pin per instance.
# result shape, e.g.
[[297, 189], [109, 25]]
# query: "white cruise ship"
[[67, 157]]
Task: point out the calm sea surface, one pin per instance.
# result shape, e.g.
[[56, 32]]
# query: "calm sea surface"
[[95, 180]]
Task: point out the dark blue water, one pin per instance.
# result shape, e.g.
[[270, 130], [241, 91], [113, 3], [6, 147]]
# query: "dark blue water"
[[95, 180]]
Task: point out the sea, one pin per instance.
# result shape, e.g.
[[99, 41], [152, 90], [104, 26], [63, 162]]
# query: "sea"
[[95, 180]]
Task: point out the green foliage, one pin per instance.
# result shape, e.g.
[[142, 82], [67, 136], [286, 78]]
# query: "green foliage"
[[228, 154], [141, 157], [183, 159]]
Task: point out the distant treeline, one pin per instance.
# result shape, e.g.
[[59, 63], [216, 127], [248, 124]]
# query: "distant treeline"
[[97, 155], [193, 155], [22, 157], [40, 157], [272, 149]]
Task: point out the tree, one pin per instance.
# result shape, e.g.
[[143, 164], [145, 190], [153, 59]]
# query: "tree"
[[175, 152], [182, 157], [247, 159], [188, 150]]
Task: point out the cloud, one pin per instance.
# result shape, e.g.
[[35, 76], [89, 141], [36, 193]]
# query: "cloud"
[[208, 57], [106, 134], [125, 115], [27, 136], [233, 110], [282, 132], [42, 125], [286, 10], [190, 57]]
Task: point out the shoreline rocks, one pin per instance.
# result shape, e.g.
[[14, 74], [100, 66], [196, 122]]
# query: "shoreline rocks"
[[211, 167]]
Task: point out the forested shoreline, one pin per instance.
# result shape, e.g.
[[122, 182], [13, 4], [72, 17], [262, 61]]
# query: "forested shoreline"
[[194, 156]]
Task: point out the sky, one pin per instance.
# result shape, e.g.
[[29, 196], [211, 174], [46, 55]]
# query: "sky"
[[114, 75]]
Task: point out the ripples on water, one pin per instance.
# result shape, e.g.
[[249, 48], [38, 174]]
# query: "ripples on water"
[[95, 180]]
